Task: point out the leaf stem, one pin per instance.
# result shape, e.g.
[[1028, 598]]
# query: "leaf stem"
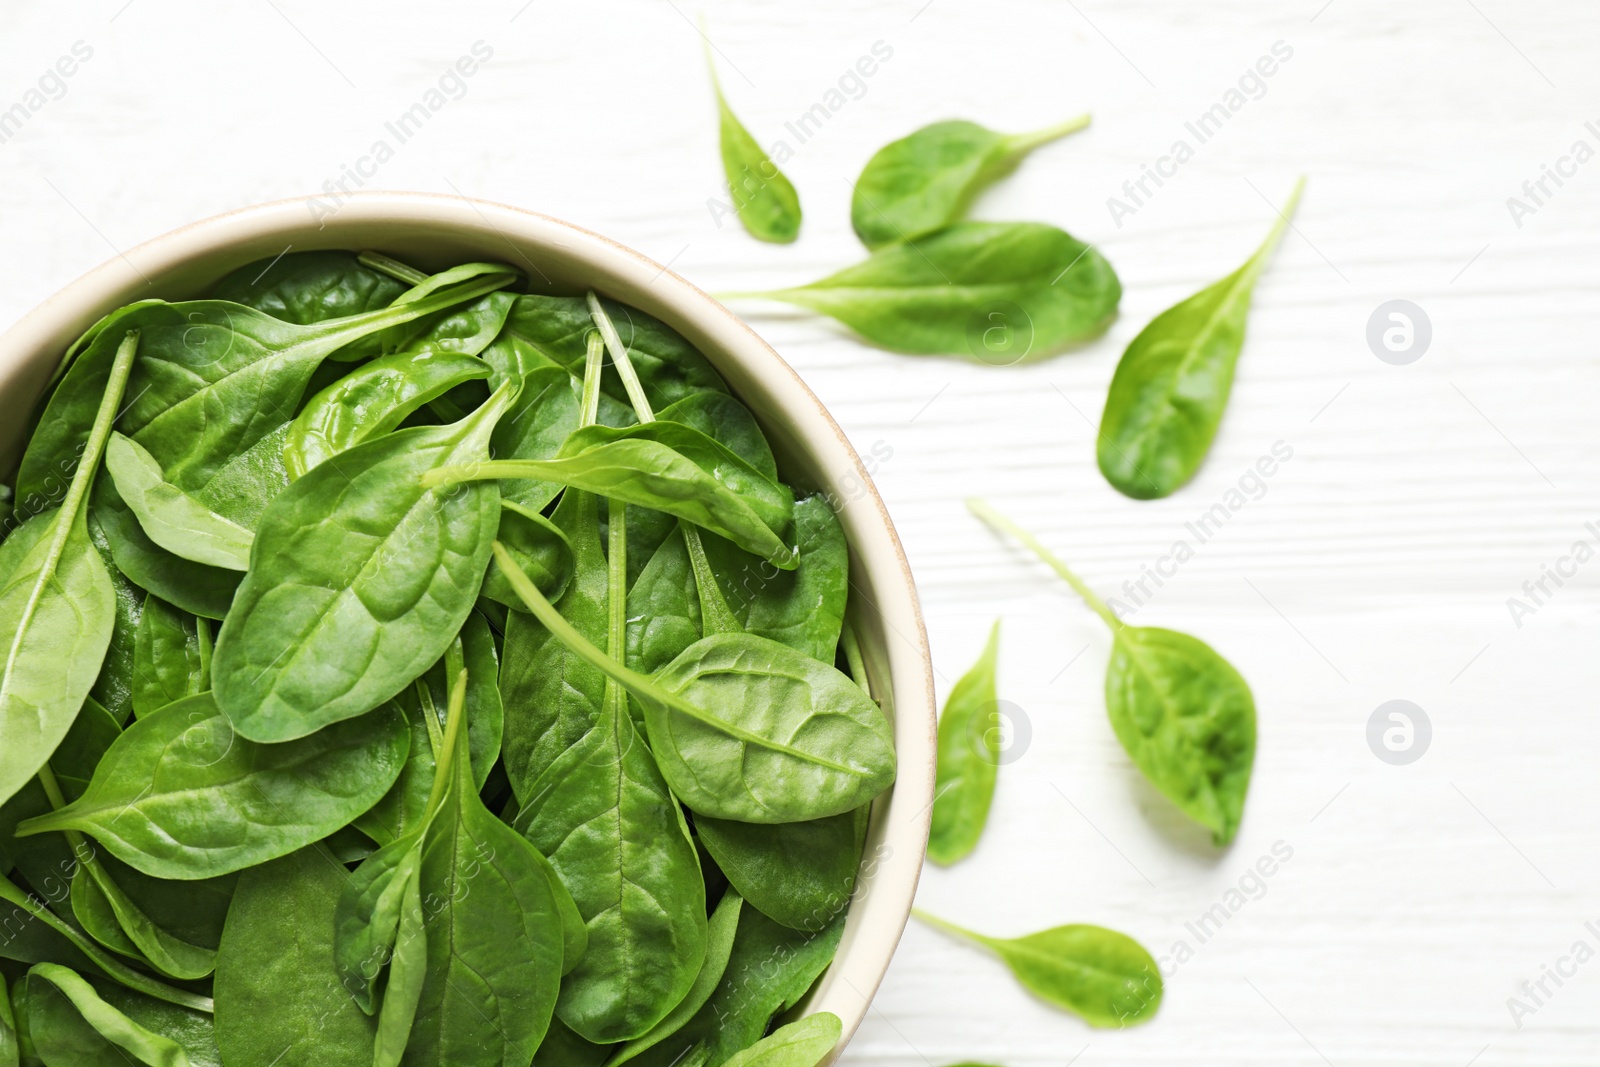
[[400, 272], [852, 656], [1021, 144], [589, 414], [1276, 233], [951, 928], [620, 360], [982, 510]]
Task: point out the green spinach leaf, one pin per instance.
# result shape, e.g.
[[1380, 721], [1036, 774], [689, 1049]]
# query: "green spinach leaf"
[[364, 575], [1105, 977], [927, 179], [801, 873], [114, 688], [997, 292], [1183, 713], [1172, 384], [172, 656], [372, 400], [667, 467], [200, 590], [803, 1043], [279, 996], [542, 550], [968, 760], [57, 610], [720, 930], [171, 518], [181, 795], [309, 287], [763, 198], [71, 1025]]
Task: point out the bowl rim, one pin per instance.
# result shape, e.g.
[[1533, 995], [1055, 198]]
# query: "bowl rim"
[[893, 859]]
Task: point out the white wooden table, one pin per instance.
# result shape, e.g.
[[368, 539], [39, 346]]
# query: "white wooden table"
[[1375, 565]]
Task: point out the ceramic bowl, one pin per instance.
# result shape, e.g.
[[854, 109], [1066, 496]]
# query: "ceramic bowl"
[[436, 231]]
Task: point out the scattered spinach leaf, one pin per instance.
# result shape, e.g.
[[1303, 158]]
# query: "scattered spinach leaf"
[[763, 198], [1172, 384], [996, 292], [927, 179], [1105, 977], [968, 760], [1182, 712]]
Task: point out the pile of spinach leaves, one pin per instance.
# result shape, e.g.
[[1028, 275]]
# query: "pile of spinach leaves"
[[409, 669]]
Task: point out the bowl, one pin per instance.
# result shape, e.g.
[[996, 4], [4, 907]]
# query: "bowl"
[[433, 232]]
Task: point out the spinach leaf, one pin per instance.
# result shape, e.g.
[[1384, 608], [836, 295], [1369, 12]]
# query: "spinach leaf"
[[279, 996], [71, 1025], [1172, 384], [764, 199], [720, 930], [928, 179], [193, 587], [663, 608], [1105, 977], [997, 292], [803, 1043], [114, 688], [372, 400], [309, 287], [10, 1041], [180, 795], [563, 1048], [726, 421], [171, 518], [57, 610], [801, 873], [172, 656], [770, 969], [1181, 711], [174, 925], [802, 608], [968, 760], [364, 574], [667, 467], [542, 551], [606, 819], [745, 728], [543, 416], [494, 937]]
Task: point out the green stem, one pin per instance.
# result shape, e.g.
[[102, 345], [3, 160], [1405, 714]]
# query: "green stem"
[[1020, 144], [852, 656], [430, 718], [113, 967], [589, 412], [354, 327], [621, 360], [400, 272], [951, 928], [989, 515], [1274, 235], [202, 633]]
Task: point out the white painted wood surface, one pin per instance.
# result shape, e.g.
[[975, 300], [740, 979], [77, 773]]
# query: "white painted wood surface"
[[1376, 565]]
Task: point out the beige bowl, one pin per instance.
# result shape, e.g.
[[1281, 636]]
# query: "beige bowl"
[[436, 231]]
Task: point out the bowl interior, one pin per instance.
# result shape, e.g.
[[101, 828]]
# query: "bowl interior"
[[432, 232]]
